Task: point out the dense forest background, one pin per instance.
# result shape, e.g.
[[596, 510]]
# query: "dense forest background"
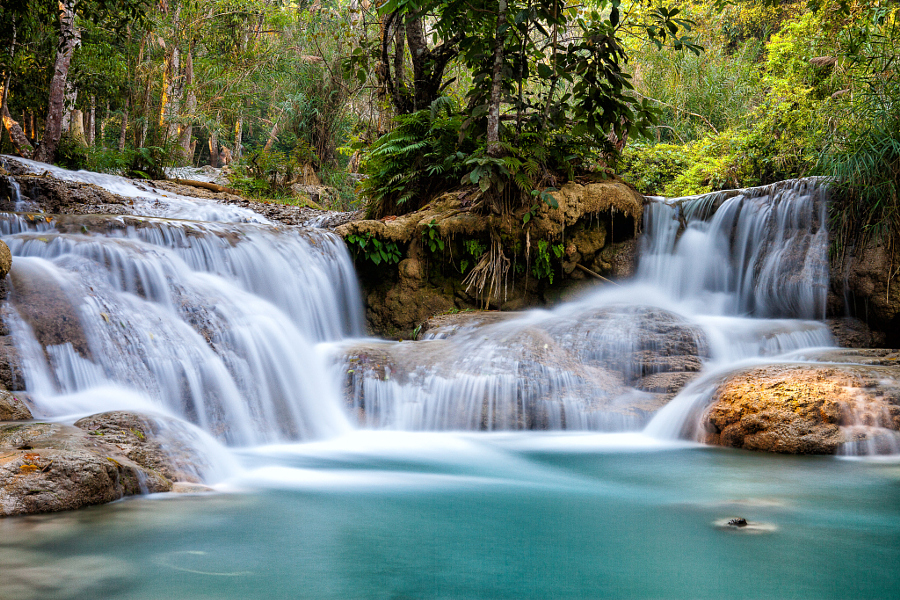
[[513, 96]]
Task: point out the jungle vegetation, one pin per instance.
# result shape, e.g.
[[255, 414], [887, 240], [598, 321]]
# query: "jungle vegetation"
[[511, 97]]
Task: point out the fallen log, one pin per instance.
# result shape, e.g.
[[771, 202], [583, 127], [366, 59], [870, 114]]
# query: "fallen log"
[[214, 187]]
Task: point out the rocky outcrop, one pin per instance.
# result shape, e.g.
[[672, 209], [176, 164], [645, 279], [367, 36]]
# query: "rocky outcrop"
[[452, 256], [14, 406], [806, 409], [66, 197], [48, 467], [866, 285], [5, 260], [614, 366], [148, 442]]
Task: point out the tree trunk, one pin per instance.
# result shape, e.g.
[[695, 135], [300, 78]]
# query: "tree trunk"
[[89, 122], [123, 128], [103, 125], [16, 135], [493, 127], [76, 128], [145, 123], [238, 134], [213, 149], [68, 39], [170, 105], [273, 135], [187, 130]]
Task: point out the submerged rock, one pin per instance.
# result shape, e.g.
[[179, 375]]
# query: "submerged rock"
[[48, 467], [806, 409]]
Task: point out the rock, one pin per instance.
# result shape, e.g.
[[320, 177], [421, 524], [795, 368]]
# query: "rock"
[[850, 332], [56, 196], [13, 406], [184, 487], [443, 326], [804, 409], [29, 575], [5, 260], [48, 467], [155, 443], [867, 278], [44, 303], [590, 218], [11, 377]]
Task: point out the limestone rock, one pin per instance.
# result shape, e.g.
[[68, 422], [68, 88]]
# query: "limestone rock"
[[13, 406], [11, 377], [5, 259], [155, 443], [867, 277], [442, 326], [48, 467], [804, 409], [849, 332]]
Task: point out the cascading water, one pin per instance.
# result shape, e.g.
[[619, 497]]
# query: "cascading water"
[[213, 322], [714, 273], [244, 328]]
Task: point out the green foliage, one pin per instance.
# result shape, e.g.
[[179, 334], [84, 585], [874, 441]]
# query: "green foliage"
[[542, 267], [431, 237], [651, 168], [565, 99], [372, 249], [474, 250], [420, 157]]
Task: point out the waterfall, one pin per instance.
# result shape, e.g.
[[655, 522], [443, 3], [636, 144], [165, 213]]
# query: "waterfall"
[[254, 331], [761, 252], [214, 322], [722, 278]]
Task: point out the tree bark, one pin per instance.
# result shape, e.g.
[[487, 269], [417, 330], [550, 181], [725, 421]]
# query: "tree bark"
[[123, 128], [493, 127], [213, 148], [76, 128], [190, 105], [103, 125], [68, 40], [16, 135], [238, 134], [170, 105], [145, 124], [273, 135], [89, 122]]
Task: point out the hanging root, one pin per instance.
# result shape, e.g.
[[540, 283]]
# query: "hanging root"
[[490, 273]]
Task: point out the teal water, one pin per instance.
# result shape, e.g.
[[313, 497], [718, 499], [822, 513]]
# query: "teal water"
[[393, 515]]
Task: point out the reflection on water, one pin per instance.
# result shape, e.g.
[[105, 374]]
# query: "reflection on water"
[[509, 515]]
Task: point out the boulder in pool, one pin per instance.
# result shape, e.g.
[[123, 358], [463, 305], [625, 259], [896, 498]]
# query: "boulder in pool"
[[807, 409]]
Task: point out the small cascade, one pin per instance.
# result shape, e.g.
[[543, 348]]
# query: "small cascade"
[[149, 201], [760, 252]]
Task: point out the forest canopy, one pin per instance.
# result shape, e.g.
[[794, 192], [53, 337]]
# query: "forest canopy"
[[512, 97]]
